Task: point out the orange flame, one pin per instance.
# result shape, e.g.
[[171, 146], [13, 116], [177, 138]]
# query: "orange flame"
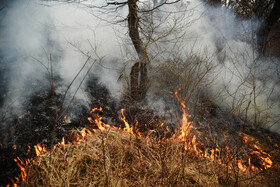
[[191, 142], [62, 141], [22, 169], [186, 126], [40, 149], [85, 132], [127, 127], [97, 120]]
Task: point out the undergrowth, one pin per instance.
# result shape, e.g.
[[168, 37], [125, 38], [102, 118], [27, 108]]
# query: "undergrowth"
[[116, 158]]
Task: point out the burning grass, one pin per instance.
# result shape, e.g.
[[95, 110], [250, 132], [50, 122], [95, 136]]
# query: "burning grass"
[[115, 158], [124, 157]]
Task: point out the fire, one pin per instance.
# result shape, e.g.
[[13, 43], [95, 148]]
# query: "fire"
[[40, 150], [97, 119], [127, 127], [185, 135], [241, 166], [85, 132], [263, 157], [192, 144], [22, 168], [186, 126], [62, 141]]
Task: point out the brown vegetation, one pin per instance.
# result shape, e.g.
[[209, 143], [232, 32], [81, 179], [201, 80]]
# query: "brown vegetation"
[[116, 158]]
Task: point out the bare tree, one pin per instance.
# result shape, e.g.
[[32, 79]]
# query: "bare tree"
[[139, 71], [138, 89]]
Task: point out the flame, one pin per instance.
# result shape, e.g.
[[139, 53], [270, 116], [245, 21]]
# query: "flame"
[[241, 166], [97, 119], [22, 168], [186, 126], [269, 139], [62, 141], [191, 144], [263, 157], [185, 135], [84, 132], [127, 127], [40, 150]]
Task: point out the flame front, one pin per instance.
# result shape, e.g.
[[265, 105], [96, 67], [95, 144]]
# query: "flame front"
[[191, 144], [185, 135]]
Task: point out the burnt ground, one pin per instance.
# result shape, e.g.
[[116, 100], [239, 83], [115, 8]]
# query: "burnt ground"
[[36, 124], [212, 125]]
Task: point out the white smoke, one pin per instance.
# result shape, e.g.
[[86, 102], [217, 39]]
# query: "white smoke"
[[81, 35], [25, 39], [241, 81], [71, 32], [33, 33]]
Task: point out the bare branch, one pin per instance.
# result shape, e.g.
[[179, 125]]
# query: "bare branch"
[[160, 5]]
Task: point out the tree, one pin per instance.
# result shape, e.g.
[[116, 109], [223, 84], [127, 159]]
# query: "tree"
[[139, 71], [214, 2], [269, 22], [138, 88]]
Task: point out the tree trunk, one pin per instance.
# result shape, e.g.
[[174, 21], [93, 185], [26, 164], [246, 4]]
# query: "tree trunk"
[[215, 2], [138, 88], [265, 28], [134, 81]]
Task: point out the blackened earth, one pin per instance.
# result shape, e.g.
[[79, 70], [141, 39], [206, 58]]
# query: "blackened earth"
[[39, 122]]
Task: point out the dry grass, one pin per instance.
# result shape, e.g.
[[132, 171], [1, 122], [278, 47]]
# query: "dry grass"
[[115, 158]]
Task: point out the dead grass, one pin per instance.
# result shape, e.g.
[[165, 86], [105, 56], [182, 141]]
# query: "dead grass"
[[116, 158]]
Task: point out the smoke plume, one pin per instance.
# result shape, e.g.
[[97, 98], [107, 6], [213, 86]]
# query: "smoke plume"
[[40, 39]]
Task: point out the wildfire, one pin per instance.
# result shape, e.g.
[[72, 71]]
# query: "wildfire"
[[22, 168], [184, 135], [192, 144], [97, 119], [40, 150], [127, 127]]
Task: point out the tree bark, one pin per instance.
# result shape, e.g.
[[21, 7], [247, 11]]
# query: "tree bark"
[[134, 81], [138, 88], [215, 2], [265, 28]]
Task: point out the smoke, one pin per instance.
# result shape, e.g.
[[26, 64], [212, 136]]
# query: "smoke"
[[243, 81], [49, 43], [25, 38], [69, 34], [36, 36], [240, 80]]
